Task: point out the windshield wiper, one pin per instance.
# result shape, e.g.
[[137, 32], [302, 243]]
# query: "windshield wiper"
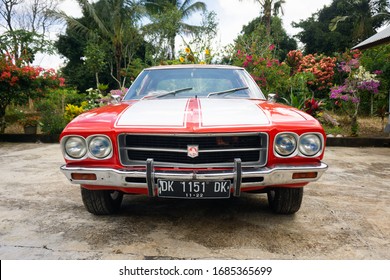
[[226, 91], [167, 93]]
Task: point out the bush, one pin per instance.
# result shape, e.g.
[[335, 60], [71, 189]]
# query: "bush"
[[52, 109]]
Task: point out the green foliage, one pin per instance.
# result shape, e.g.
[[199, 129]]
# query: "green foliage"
[[341, 25], [52, 109], [299, 91], [52, 119], [254, 35], [111, 26], [377, 60], [357, 84], [72, 111], [168, 21], [24, 45], [19, 83], [271, 75], [95, 58]]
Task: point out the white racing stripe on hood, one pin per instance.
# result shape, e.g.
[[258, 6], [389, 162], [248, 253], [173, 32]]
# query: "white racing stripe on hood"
[[231, 113], [155, 113]]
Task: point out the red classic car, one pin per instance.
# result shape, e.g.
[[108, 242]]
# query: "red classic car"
[[195, 132]]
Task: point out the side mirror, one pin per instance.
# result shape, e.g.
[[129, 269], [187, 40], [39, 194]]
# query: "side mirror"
[[271, 97], [116, 99]]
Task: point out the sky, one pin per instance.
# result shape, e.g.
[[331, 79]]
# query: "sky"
[[231, 16]]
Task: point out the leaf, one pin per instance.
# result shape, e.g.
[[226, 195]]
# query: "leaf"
[[334, 22]]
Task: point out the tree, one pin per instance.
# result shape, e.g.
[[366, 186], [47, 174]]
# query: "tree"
[[26, 25], [269, 6], [113, 23], [350, 20], [167, 19], [367, 16], [278, 36], [19, 82]]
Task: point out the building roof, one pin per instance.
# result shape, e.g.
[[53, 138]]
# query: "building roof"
[[379, 38]]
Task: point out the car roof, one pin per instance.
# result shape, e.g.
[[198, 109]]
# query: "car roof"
[[197, 66]]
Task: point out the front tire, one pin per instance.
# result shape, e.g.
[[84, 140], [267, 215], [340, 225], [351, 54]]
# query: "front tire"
[[101, 202], [285, 200]]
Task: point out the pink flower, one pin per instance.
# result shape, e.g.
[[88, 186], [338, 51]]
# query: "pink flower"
[[272, 47]]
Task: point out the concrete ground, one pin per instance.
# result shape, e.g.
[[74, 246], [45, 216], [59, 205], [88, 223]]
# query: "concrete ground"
[[345, 215]]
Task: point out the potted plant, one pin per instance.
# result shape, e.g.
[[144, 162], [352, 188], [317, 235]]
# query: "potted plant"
[[30, 123]]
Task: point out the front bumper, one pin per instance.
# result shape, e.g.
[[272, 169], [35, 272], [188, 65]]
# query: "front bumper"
[[241, 178]]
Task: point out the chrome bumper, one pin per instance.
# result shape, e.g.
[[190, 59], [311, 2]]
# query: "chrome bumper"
[[241, 178]]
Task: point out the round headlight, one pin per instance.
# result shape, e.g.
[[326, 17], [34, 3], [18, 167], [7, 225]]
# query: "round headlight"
[[285, 144], [310, 144], [100, 146], [75, 147]]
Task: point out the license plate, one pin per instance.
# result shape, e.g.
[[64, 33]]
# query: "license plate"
[[193, 189]]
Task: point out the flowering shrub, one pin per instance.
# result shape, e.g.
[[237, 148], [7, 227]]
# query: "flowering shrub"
[[270, 74], [20, 82], [348, 95], [321, 66]]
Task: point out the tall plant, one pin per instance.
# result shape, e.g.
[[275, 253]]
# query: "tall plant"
[[168, 19], [113, 23], [348, 95], [269, 6]]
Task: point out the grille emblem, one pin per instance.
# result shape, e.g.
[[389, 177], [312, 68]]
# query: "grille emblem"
[[192, 151]]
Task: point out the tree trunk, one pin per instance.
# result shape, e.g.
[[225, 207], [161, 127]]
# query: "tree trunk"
[[2, 119], [354, 126], [97, 79], [172, 46]]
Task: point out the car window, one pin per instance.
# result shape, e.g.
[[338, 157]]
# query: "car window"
[[191, 82]]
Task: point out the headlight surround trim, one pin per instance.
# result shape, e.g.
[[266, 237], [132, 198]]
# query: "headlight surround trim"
[[318, 140], [86, 142]]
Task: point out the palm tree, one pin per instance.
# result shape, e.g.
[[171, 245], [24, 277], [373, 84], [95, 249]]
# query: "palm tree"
[[168, 17], [268, 6], [367, 15], [111, 22]]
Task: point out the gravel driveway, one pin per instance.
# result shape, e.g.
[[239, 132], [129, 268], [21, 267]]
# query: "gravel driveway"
[[345, 215]]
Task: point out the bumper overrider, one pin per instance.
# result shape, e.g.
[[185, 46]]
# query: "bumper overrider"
[[241, 177]]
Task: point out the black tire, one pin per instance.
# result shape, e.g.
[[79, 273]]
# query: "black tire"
[[285, 200], [101, 202]]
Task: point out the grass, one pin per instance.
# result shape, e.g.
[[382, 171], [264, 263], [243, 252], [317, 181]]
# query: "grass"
[[368, 127]]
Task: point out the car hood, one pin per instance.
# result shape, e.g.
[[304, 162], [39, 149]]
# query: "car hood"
[[190, 115]]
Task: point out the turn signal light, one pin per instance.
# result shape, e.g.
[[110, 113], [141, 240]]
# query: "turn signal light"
[[305, 175], [83, 176]]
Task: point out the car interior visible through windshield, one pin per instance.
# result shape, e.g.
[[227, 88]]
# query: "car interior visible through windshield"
[[192, 82]]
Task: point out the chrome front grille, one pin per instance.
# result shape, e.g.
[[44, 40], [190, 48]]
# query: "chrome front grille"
[[217, 150]]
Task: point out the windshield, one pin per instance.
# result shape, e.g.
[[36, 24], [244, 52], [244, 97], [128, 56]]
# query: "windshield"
[[194, 82]]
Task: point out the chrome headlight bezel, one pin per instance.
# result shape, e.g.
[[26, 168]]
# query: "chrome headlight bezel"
[[67, 147], [282, 139], [100, 153], [315, 140], [86, 142]]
